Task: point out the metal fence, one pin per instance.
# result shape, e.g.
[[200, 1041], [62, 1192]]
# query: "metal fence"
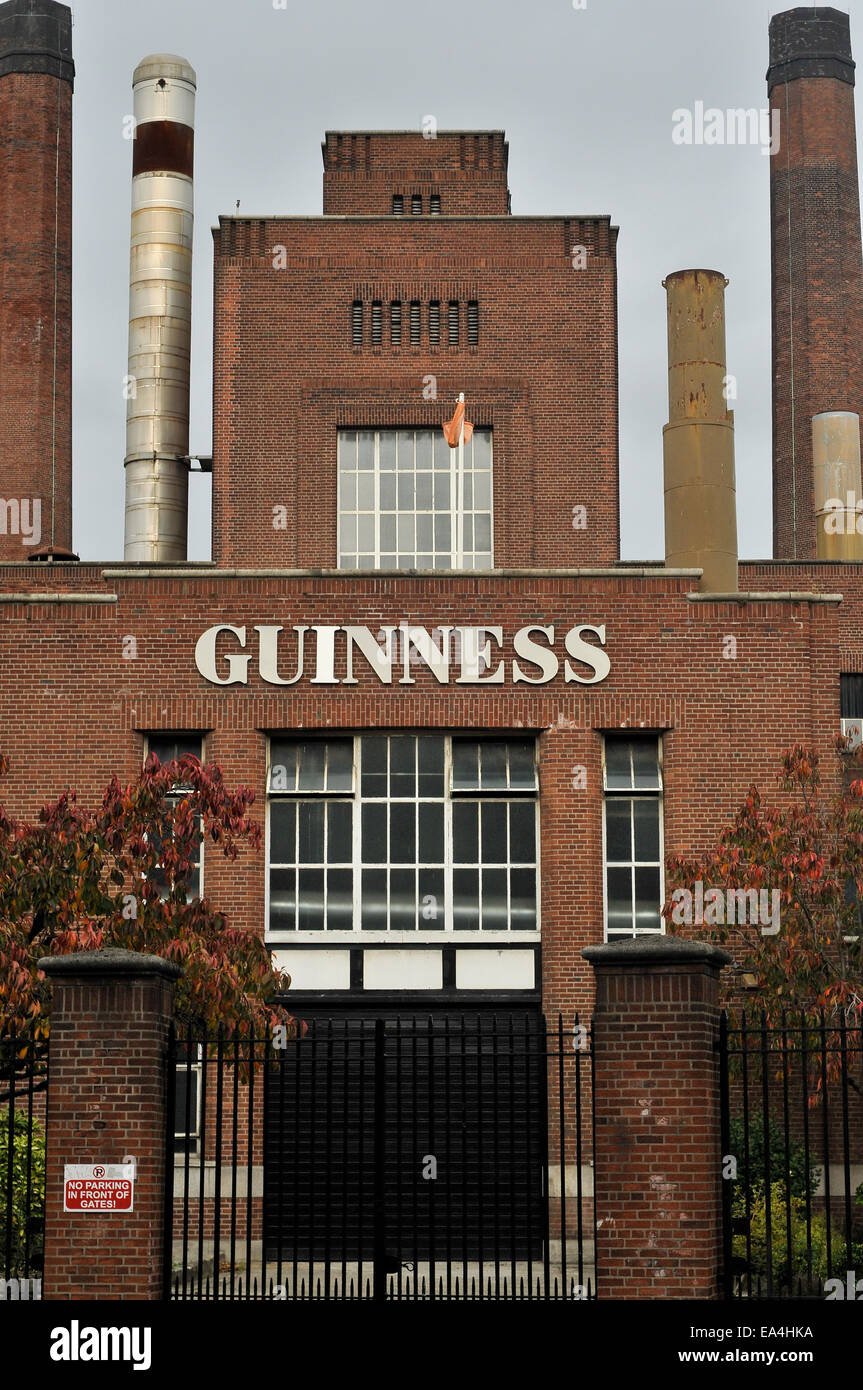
[[388, 1158], [23, 1083], [792, 1155]]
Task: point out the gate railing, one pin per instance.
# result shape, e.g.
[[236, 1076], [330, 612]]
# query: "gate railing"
[[23, 1083], [391, 1158], [792, 1156]]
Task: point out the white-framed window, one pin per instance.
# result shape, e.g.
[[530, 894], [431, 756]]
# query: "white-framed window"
[[168, 747], [404, 503], [402, 832], [632, 835]]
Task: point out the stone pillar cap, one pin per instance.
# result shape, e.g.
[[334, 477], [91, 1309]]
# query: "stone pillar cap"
[[656, 950], [111, 961]]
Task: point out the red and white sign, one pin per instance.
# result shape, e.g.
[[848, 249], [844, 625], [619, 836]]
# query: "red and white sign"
[[98, 1186]]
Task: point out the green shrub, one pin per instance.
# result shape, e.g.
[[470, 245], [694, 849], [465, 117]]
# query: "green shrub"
[[790, 1263], [753, 1176], [21, 1216]]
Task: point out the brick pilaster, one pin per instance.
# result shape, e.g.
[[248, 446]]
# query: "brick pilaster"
[[107, 1101], [658, 1200]]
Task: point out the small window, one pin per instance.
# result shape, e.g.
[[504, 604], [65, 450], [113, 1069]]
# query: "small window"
[[398, 205], [187, 1098], [489, 765], [434, 207], [473, 323], [434, 322], [415, 323], [416, 204], [851, 697], [376, 324], [167, 748], [453, 323], [357, 323], [396, 323]]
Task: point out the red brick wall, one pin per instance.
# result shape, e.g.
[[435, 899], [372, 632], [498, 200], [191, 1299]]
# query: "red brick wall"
[[467, 169], [35, 198], [76, 708], [543, 376]]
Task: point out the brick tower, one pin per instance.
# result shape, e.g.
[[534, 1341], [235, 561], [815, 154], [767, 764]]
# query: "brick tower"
[[36, 78], [817, 269]]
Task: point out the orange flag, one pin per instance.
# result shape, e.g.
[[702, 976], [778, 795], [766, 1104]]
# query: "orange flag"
[[452, 428]]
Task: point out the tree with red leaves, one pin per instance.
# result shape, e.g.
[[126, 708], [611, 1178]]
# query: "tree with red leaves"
[[121, 876], [809, 851]]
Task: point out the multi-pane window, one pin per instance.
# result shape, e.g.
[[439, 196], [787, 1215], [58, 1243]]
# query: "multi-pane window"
[[376, 323], [415, 323], [402, 832], [434, 322], [167, 748], [453, 322], [396, 323], [404, 503], [633, 836], [473, 323]]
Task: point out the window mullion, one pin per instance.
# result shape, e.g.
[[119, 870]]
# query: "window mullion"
[[448, 850]]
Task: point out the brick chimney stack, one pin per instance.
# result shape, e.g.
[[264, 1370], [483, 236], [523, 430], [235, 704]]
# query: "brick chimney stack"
[[36, 78], [817, 267]]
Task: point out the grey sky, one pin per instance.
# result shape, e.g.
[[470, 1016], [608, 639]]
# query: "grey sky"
[[586, 98]]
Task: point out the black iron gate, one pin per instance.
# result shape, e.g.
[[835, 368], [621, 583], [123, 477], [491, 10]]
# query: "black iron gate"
[[394, 1157], [792, 1156]]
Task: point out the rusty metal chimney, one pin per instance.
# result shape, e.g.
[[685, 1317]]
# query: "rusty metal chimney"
[[836, 477], [698, 441], [160, 301]]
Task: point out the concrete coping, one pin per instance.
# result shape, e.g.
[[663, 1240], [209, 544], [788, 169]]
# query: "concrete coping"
[[778, 595], [656, 950], [72, 597], [111, 961], [150, 571]]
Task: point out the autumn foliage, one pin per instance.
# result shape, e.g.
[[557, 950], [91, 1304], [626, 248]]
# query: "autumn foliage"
[[119, 876], [808, 846]]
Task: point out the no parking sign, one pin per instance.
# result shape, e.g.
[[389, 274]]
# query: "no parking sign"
[[98, 1186]]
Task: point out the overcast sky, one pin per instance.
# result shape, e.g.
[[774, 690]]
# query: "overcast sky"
[[586, 97]]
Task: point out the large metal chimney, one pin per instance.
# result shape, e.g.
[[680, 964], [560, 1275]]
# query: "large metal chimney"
[[698, 441], [160, 301]]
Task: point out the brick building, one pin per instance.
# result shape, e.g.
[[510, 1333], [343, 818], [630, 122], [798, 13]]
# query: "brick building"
[[474, 734]]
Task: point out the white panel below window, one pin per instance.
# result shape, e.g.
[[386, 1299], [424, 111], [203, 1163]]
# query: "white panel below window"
[[485, 969], [316, 969], [402, 970]]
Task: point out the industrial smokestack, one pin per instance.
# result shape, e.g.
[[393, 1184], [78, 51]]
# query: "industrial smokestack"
[[160, 301], [36, 80], [698, 441], [836, 472], [817, 263]]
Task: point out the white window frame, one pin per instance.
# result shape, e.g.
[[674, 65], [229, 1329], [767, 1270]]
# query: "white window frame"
[[416, 935], [455, 512], [633, 794]]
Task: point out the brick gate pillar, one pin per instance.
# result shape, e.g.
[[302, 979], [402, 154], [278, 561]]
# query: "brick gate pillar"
[[657, 1141], [107, 1102]]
